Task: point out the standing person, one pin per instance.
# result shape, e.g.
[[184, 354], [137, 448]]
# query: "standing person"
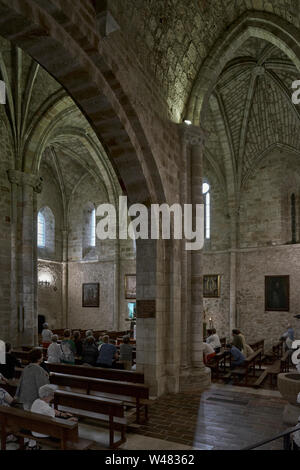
[[46, 336], [237, 341], [108, 354], [126, 353], [68, 349], [214, 340], [54, 351], [32, 378], [8, 369], [90, 351]]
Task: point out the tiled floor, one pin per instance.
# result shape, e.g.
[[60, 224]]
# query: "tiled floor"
[[224, 417]]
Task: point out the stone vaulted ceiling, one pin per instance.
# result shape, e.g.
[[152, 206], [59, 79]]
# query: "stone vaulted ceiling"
[[171, 38]]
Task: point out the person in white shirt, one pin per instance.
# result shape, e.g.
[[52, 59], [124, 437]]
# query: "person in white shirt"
[[42, 406], [54, 351], [214, 340], [208, 352], [46, 335]]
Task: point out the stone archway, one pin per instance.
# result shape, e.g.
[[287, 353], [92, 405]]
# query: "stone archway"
[[69, 49]]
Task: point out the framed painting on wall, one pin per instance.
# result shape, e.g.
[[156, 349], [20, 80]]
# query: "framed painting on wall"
[[130, 286], [91, 295], [277, 293], [211, 285]]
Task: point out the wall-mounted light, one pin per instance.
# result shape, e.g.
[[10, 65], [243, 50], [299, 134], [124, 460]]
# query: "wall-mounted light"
[[45, 279], [187, 122]]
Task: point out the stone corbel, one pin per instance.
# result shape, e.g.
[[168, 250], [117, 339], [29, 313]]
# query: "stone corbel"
[[193, 135], [106, 23], [21, 179]]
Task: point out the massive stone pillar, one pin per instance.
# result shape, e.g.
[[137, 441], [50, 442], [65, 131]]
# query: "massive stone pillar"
[[196, 375], [25, 187], [65, 278]]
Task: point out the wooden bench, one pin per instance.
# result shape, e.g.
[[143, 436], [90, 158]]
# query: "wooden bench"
[[218, 360], [16, 421], [132, 394], [279, 366], [24, 356], [223, 342], [86, 406], [258, 345], [97, 372], [247, 366]]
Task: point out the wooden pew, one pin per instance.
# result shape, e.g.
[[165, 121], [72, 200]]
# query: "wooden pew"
[[86, 406], [248, 365], [15, 421], [258, 345], [132, 394], [280, 366], [97, 372], [223, 342], [218, 360]]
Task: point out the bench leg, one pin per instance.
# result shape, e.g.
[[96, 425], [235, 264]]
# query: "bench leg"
[[111, 432], [138, 411], [146, 412], [3, 438]]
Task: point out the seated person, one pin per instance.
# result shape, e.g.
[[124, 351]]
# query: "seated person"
[[54, 351], [7, 400], [237, 340], [8, 369], [208, 352], [289, 337], [68, 349], [78, 343], [90, 351], [46, 336], [247, 350], [33, 377], [296, 435], [126, 353], [88, 333], [108, 354], [237, 356], [42, 406], [214, 340]]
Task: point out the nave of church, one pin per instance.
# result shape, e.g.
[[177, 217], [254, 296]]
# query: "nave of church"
[[109, 110]]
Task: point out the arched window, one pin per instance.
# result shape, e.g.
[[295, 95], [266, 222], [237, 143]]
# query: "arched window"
[[89, 240], [93, 228], [46, 229], [41, 230], [206, 197]]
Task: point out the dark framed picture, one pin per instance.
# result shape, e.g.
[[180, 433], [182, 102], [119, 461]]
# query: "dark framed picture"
[[130, 286], [91, 295], [211, 285], [277, 293]]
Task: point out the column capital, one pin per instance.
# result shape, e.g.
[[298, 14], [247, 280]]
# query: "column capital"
[[192, 135], [21, 179]]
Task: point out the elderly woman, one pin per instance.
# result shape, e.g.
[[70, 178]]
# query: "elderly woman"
[[90, 352], [33, 377], [42, 406], [126, 353], [46, 336], [54, 351]]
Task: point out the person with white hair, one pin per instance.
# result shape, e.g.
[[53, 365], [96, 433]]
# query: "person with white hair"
[[42, 406], [54, 351], [46, 336]]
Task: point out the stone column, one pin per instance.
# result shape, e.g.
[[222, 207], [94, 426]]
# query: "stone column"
[[199, 375], [28, 185], [65, 278]]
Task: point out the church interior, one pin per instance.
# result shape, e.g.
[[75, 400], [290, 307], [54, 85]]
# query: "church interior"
[[163, 102]]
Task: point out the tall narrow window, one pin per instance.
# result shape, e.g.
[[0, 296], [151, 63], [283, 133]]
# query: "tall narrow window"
[[206, 197], [93, 228], [293, 218], [41, 230]]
